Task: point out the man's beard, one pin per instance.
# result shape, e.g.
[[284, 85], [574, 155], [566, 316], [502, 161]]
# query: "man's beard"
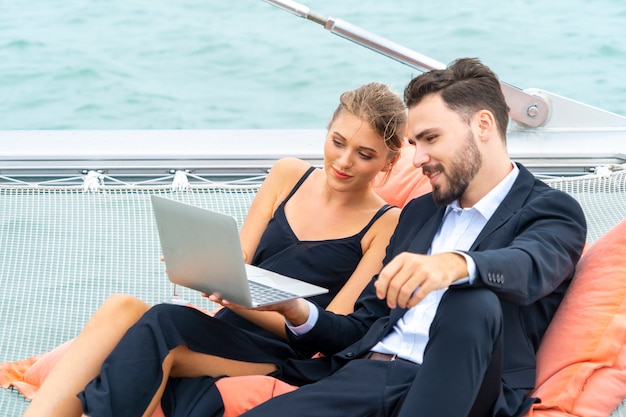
[[464, 165]]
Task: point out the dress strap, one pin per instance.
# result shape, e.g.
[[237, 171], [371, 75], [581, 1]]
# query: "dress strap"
[[376, 216], [298, 184]]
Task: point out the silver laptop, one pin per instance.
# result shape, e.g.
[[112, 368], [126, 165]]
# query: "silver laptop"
[[202, 251]]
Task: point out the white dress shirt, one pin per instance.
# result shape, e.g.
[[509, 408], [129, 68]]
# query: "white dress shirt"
[[458, 231]]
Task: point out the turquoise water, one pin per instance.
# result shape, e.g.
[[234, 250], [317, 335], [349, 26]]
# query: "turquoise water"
[[190, 64]]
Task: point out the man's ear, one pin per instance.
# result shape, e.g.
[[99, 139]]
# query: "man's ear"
[[486, 124]]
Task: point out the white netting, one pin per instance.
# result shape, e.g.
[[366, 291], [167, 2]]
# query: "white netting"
[[602, 197], [64, 249]]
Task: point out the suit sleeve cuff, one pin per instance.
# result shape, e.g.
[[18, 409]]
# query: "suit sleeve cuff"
[[471, 269], [308, 325]]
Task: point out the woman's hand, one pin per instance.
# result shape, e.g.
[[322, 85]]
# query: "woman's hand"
[[225, 303], [162, 258]]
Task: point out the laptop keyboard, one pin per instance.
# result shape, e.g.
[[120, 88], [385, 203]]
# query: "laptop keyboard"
[[262, 294]]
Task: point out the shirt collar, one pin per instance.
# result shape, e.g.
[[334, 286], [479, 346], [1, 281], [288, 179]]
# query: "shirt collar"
[[487, 205]]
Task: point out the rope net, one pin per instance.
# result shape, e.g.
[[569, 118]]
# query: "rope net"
[[65, 249]]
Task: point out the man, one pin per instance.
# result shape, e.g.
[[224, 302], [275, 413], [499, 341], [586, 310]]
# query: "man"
[[473, 275]]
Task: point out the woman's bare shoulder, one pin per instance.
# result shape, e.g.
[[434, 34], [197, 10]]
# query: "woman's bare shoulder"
[[288, 170], [386, 224], [290, 165], [391, 217]]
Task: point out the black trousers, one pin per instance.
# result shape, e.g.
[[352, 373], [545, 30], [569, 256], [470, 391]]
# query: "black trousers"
[[461, 363], [460, 375]]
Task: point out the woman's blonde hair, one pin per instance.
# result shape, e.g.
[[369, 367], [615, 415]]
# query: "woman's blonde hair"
[[381, 108]]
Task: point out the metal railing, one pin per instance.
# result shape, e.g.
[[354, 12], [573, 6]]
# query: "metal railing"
[[530, 109]]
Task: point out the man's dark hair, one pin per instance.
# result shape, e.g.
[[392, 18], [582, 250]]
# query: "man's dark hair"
[[466, 86]]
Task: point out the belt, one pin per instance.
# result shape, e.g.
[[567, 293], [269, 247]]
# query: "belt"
[[385, 357]]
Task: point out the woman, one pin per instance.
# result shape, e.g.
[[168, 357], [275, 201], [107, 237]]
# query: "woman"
[[326, 226]]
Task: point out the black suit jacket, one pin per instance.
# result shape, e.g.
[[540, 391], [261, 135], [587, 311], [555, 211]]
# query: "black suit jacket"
[[526, 254]]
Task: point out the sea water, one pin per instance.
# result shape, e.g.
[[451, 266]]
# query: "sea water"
[[245, 64]]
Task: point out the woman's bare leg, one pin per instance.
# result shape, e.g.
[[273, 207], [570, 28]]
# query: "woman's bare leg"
[[182, 362], [84, 358], [186, 363]]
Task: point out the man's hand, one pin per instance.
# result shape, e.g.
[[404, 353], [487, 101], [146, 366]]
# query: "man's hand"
[[295, 311], [410, 277]]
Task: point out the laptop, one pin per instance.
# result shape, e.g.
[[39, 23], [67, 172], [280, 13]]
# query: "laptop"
[[202, 251]]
